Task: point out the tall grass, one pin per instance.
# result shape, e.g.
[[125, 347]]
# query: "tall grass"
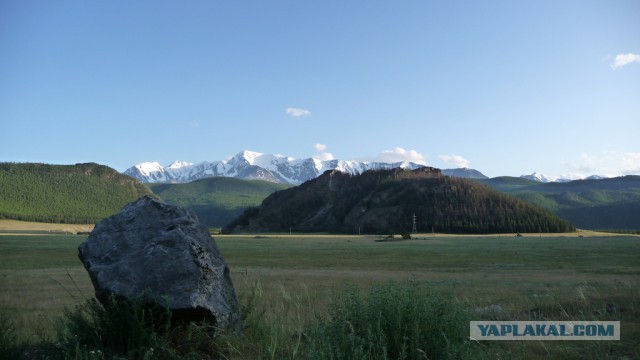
[[275, 322], [390, 320], [124, 328], [10, 346], [395, 320], [585, 302]]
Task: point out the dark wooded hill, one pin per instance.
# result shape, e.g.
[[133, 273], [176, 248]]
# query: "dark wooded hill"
[[81, 193], [384, 201]]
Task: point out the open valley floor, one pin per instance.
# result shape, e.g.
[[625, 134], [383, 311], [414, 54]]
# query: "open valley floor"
[[580, 276]]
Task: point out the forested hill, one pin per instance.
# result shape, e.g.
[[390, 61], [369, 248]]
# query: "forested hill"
[[384, 201], [589, 204], [81, 193], [217, 200]]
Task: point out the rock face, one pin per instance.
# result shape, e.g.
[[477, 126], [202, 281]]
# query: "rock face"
[[163, 253]]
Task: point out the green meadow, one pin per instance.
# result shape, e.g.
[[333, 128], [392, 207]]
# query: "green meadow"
[[290, 279]]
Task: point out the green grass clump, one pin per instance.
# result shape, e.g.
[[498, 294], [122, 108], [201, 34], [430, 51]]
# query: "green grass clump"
[[275, 322], [118, 328], [10, 346], [131, 329], [396, 320]]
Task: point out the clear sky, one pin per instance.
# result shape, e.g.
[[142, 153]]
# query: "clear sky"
[[505, 87]]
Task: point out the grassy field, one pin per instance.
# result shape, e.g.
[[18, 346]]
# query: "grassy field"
[[582, 276]]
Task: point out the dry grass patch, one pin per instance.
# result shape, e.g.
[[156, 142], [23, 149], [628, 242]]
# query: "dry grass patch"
[[25, 226]]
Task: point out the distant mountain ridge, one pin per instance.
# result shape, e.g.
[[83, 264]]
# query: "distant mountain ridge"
[[251, 165], [536, 176], [592, 203]]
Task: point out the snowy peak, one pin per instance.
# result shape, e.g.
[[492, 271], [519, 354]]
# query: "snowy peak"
[[178, 164], [152, 171], [252, 165], [255, 166], [536, 176], [148, 167], [248, 156]]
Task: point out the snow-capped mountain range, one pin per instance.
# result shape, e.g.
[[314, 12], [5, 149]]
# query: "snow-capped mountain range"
[[251, 165], [565, 178]]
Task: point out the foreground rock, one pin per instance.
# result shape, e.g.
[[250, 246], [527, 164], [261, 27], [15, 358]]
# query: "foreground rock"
[[163, 253]]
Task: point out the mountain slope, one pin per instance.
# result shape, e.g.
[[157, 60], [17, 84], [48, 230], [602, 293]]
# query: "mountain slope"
[[384, 201], [249, 165], [589, 204], [509, 183], [464, 173], [81, 193], [217, 200]]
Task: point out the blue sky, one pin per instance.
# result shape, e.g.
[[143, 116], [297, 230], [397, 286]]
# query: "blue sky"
[[508, 87]]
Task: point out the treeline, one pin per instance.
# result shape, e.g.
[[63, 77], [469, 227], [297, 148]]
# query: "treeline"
[[463, 206], [81, 193], [385, 201], [621, 216]]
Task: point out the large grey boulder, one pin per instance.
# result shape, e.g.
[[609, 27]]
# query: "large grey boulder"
[[161, 252]]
